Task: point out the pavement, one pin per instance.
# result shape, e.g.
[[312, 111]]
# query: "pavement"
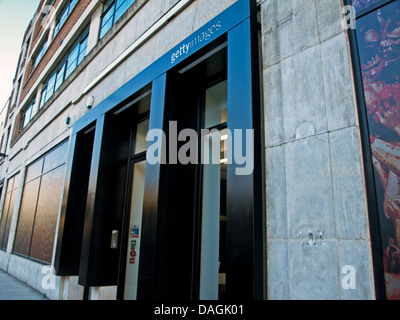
[[14, 289]]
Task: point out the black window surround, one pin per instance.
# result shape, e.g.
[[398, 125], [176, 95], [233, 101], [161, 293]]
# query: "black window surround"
[[245, 277]]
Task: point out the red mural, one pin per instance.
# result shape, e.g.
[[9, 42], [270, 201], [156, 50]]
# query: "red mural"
[[378, 35], [363, 4]]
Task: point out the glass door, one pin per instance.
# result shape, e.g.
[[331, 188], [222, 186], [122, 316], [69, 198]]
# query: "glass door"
[[213, 194], [134, 202], [134, 235]]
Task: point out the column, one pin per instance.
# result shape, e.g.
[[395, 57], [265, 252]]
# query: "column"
[[94, 28]]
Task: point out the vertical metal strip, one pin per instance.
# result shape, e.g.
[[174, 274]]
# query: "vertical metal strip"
[[151, 201], [245, 239], [61, 225], [84, 269]]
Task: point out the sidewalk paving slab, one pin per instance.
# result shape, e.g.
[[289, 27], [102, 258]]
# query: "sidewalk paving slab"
[[14, 289]]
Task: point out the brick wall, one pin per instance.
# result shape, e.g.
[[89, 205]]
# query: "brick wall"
[[36, 28], [30, 78]]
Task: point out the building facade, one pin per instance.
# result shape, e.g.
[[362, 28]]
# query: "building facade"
[[205, 150]]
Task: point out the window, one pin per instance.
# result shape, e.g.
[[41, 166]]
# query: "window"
[[378, 47], [214, 216], [40, 205], [63, 16], [28, 114], [113, 10], [40, 55], [47, 91], [17, 92], [66, 67], [59, 76], [77, 54], [27, 48], [8, 209]]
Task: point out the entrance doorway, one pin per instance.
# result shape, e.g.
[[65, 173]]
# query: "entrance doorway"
[[190, 256], [133, 199], [178, 231]]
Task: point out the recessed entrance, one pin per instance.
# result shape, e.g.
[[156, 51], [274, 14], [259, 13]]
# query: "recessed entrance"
[[175, 230]]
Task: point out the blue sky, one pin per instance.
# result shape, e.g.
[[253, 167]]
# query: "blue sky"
[[15, 16]]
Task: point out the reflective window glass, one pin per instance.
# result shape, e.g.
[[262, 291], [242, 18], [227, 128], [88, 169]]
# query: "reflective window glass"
[[26, 217], [34, 170], [46, 215], [135, 222], [40, 205], [216, 104], [55, 158], [3, 221], [113, 10], [60, 76], [141, 134], [8, 210]]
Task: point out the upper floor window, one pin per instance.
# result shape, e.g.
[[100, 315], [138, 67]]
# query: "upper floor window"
[[17, 92], [26, 48], [28, 114], [64, 15], [40, 55], [66, 67], [8, 208], [113, 10]]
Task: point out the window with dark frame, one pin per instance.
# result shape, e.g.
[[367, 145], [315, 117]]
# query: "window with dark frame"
[[214, 215], [113, 10], [26, 48], [64, 16], [40, 203], [65, 68], [17, 92], [137, 169], [8, 209], [28, 114], [40, 55]]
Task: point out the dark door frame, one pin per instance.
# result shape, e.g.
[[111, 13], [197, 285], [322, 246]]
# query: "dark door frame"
[[132, 160]]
